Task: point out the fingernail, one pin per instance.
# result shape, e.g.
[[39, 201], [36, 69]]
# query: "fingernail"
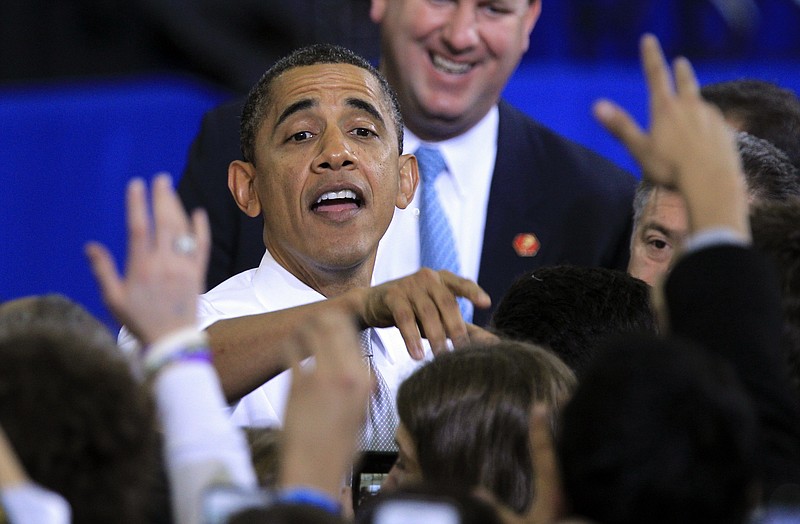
[[603, 109]]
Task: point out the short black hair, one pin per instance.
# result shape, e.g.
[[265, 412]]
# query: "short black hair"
[[260, 95], [572, 310]]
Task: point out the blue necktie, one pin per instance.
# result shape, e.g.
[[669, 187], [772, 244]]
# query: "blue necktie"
[[437, 247]]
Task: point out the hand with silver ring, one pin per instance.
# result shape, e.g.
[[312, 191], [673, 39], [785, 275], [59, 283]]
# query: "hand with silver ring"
[[166, 264], [185, 245]]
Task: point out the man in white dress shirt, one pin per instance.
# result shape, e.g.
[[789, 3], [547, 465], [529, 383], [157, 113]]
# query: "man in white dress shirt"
[[321, 138]]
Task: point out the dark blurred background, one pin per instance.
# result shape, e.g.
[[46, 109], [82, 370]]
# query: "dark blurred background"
[[94, 92], [230, 43]]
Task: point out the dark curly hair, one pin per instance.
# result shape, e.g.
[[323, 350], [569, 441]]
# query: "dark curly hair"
[[572, 310]]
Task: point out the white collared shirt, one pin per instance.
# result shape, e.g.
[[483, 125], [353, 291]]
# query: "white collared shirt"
[[464, 193], [270, 287], [32, 504]]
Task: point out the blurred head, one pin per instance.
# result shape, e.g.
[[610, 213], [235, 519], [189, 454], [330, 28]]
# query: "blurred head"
[[761, 108], [464, 418], [658, 431], [450, 60], [573, 310], [776, 233], [321, 137], [55, 312], [79, 421]]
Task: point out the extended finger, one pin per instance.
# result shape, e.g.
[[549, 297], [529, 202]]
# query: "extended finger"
[[685, 78], [106, 274], [202, 234], [429, 314], [619, 123], [656, 71], [448, 316], [464, 287], [406, 322], [479, 335], [138, 220], [168, 215]]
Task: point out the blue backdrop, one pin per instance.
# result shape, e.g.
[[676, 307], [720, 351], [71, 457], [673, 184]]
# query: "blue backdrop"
[[67, 151]]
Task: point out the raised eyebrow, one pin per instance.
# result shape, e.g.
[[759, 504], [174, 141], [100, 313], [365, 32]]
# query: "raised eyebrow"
[[298, 106], [363, 105]]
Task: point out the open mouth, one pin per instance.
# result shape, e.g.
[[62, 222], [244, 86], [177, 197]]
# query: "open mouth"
[[449, 66], [337, 201]]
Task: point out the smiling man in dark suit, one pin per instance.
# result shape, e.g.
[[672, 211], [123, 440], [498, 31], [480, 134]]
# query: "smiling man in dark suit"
[[516, 196]]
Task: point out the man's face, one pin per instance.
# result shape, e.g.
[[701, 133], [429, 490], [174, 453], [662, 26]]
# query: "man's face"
[[449, 60], [661, 231], [327, 171]]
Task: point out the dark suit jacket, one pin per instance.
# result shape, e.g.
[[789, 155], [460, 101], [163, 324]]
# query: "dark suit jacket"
[[727, 299], [575, 202]]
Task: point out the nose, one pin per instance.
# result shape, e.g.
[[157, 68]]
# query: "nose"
[[335, 152], [461, 30]]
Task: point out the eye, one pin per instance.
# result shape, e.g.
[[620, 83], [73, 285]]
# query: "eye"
[[495, 9], [364, 132], [302, 135], [658, 248]]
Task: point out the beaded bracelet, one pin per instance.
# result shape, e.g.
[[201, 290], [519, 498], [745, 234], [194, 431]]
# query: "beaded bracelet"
[[182, 346]]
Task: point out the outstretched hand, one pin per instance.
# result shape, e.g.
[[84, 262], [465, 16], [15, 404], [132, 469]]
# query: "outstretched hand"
[[166, 263], [424, 305], [688, 147], [326, 405]]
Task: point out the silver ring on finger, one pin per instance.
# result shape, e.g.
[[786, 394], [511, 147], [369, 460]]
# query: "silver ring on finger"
[[185, 245]]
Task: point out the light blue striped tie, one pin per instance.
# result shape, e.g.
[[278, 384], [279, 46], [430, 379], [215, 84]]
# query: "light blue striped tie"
[[436, 244]]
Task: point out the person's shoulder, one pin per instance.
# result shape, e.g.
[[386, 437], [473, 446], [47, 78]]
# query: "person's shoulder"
[[233, 297], [237, 285]]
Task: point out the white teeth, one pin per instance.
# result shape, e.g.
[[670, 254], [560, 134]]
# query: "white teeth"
[[449, 66], [334, 195]]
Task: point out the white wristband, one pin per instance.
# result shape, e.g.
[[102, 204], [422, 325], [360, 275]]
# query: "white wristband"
[[185, 344]]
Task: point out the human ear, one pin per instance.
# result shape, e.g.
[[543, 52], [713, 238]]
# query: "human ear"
[[377, 10], [409, 179], [242, 184], [530, 18]]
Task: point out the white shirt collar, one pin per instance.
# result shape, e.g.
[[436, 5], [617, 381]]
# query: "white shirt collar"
[[463, 165]]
